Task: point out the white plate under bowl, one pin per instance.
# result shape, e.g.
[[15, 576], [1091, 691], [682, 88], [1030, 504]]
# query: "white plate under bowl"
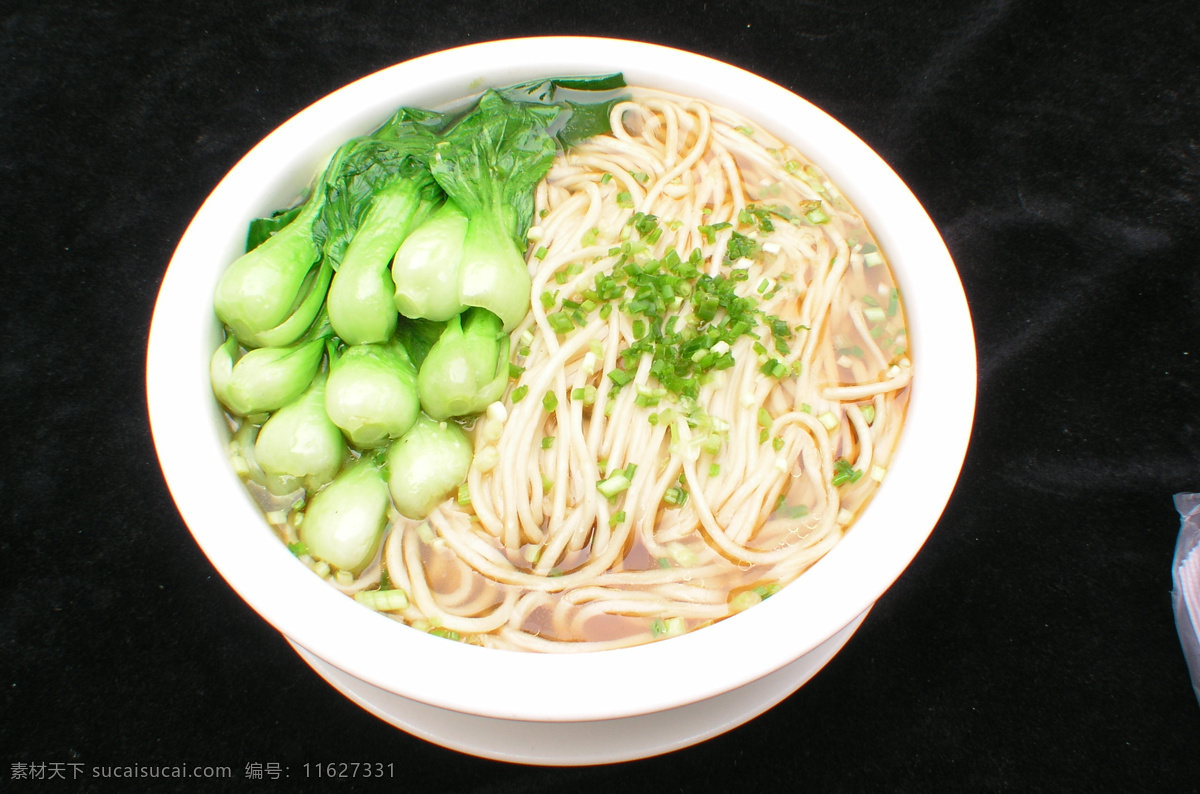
[[584, 743]]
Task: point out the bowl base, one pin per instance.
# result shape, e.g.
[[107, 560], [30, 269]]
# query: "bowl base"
[[584, 743]]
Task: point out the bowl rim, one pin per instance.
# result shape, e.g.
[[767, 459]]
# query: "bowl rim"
[[230, 530]]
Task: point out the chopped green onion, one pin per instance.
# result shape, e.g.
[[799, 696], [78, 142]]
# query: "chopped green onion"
[[775, 368], [744, 600], [875, 314], [676, 496], [682, 554], [560, 322], [613, 485], [519, 393], [767, 590], [844, 473], [620, 377], [793, 511], [646, 400], [383, 600], [550, 401], [671, 627]]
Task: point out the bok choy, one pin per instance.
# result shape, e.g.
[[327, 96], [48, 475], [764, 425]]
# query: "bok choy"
[[466, 370], [270, 295], [383, 191], [344, 522], [372, 392], [377, 309], [488, 164], [264, 379], [299, 446], [426, 464]]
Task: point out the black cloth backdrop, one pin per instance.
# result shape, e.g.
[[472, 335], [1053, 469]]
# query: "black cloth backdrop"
[[1030, 646]]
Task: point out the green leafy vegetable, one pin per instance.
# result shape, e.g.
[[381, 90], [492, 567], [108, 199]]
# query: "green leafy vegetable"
[[383, 190], [271, 294], [467, 369], [264, 379], [417, 336], [585, 102], [426, 465], [344, 522], [372, 392], [370, 164], [360, 302], [261, 229], [426, 268], [489, 163], [299, 446]]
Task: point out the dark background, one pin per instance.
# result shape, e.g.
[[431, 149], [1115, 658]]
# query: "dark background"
[[1029, 647]]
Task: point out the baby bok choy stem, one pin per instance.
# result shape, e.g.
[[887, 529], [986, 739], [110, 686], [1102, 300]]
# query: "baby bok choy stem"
[[270, 295], [298, 445], [426, 464], [427, 264], [488, 164], [343, 524], [384, 191], [372, 392], [466, 370], [404, 264], [264, 379]]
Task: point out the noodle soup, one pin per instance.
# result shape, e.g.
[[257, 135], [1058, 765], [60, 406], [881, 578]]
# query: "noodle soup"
[[705, 394]]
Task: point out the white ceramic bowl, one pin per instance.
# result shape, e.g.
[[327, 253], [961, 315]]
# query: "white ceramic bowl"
[[593, 707]]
